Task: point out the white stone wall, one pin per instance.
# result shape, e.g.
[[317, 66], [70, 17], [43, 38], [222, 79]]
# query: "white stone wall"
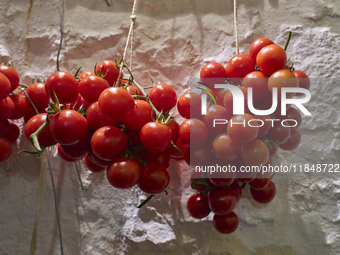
[[174, 39]]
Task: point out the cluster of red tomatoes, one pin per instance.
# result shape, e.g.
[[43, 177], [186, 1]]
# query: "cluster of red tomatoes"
[[12, 106], [111, 124], [228, 154]]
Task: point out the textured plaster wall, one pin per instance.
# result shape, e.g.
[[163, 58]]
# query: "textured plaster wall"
[[174, 39]]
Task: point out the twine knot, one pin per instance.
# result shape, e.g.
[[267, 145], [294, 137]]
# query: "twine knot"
[[133, 18]]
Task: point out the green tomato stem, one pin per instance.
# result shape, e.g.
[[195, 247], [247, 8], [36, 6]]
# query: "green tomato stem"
[[287, 41]]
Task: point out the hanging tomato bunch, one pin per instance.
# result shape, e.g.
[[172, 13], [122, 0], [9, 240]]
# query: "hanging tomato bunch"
[[224, 145]]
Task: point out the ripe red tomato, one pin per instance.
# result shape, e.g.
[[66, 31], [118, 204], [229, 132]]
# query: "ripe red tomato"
[[271, 58], [260, 182], [4, 126], [140, 116], [174, 153], [278, 133], [5, 149], [108, 143], [221, 178], [259, 84], [123, 173], [222, 201], [255, 153], [238, 67], [213, 73], [68, 127], [237, 189], [293, 114], [239, 130], [110, 72], [96, 119], [85, 74], [12, 76], [193, 132], [224, 148], [20, 106], [173, 125], [163, 97], [198, 206], [6, 108], [91, 87], [13, 133], [226, 224], [189, 104], [80, 101], [283, 78], [5, 86], [64, 85], [134, 91], [98, 161], [265, 195], [155, 137], [38, 95], [155, 178], [304, 81], [293, 141], [80, 149], [157, 157], [62, 155], [115, 103], [93, 167], [257, 45], [45, 138]]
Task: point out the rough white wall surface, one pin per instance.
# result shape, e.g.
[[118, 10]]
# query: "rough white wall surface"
[[174, 39]]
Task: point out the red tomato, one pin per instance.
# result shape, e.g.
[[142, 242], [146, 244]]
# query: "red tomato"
[[189, 104], [155, 178], [222, 201], [237, 189], [4, 125], [80, 149], [135, 91], [20, 106], [96, 119], [193, 132], [11, 74], [5, 86], [140, 116], [80, 101], [293, 141], [239, 130], [38, 95], [221, 178], [278, 133], [293, 114], [198, 206], [213, 73], [157, 157], [45, 137], [123, 173], [5, 149], [283, 78], [265, 195], [110, 71], [225, 224], [64, 85], [238, 67], [68, 127], [98, 161], [13, 132], [93, 167], [257, 45], [199, 155], [174, 153], [255, 153], [163, 97], [62, 155], [224, 148], [6, 108], [115, 103], [259, 84], [108, 143], [263, 130], [304, 81], [91, 87], [271, 58], [260, 182], [85, 74], [155, 137], [173, 125]]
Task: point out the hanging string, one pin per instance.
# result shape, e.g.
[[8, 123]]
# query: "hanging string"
[[61, 32], [133, 21], [39, 199], [131, 51], [236, 26]]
